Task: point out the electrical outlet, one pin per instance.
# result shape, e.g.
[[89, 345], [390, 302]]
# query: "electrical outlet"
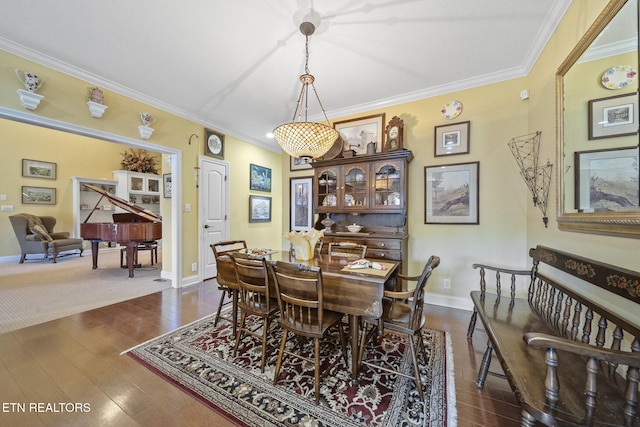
[[446, 283], [194, 266], [7, 208]]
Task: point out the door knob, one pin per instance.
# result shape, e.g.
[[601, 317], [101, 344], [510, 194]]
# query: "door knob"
[[206, 226]]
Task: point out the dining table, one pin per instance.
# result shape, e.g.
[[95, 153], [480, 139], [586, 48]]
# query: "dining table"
[[356, 292]]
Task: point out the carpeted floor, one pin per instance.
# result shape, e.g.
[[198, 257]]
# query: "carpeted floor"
[[39, 291], [199, 359]]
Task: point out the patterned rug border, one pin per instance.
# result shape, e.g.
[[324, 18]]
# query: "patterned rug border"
[[447, 409]]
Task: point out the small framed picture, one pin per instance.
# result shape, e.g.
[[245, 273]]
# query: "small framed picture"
[[213, 144], [452, 194], [166, 178], [38, 196], [39, 169], [259, 209], [613, 116], [357, 133], [301, 196], [452, 139], [259, 178], [299, 164], [607, 180]]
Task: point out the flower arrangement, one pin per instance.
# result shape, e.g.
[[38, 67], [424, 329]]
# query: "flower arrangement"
[[139, 160]]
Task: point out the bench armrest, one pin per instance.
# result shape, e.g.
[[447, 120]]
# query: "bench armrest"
[[502, 269], [545, 341]]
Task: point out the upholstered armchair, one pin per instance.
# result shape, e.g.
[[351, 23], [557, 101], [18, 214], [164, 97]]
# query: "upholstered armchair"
[[36, 236]]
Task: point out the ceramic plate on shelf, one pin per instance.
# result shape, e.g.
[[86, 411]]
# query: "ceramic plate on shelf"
[[393, 199], [330, 200], [451, 110], [618, 77], [349, 200]]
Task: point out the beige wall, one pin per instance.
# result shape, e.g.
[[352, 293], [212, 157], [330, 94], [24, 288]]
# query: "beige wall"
[[509, 223]]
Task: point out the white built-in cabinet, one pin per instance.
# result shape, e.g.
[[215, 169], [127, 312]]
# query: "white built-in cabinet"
[[85, 200], [142, 189]]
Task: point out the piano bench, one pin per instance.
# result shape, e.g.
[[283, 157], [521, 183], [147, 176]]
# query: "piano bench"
[[146, 246]]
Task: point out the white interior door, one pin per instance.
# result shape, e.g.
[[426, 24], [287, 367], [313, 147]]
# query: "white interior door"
[[214, 212]]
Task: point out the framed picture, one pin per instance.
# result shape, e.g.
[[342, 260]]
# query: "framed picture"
[[38, 196], [301, 196], [259, 209], [39, 169], [299, 164], [213, 144], [357, 133], [394, 135], [452, 194], [607, 180], [259, 178], [452, 139], [613, 116], [166, 178]]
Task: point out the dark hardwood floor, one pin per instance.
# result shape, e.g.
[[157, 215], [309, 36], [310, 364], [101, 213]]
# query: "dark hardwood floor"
[[76, 360]]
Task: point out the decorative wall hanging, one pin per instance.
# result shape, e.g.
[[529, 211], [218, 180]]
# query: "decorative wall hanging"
[[39, 169], [29, 98], [214, 145], [38, 196], [525, 150], [259, 178], [451, 110], [168, 188], [613, 116], [95, 103], [259, 209], [145, 129], [606, 180], [452, 139], [452, 194], [301, 202], [357, 133], [618, 77]]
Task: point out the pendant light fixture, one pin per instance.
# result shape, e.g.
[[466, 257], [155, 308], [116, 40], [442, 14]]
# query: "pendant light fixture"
[[301, 138]]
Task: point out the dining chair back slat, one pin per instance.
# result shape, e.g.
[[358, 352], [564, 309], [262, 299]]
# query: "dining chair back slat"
[[226, 277]]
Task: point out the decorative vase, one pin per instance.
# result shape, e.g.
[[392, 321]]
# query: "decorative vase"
[[30, 81], [147, 119], [328, 223], [304, 242]]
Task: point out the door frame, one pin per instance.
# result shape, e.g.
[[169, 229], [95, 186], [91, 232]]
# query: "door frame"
[[175, 156], [203, 248]]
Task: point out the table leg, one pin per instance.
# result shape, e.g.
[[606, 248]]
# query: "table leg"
[[354, 334], [94, 253]]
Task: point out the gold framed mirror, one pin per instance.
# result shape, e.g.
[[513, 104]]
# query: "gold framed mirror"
[[597, 124]]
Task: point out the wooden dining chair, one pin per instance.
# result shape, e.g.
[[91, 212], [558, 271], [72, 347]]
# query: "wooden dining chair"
[[300, 298], [402, 313], [347, 249], [226, 278], [255, 299]]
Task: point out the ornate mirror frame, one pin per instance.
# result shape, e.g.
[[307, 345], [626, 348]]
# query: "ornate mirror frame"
[[620, 224]]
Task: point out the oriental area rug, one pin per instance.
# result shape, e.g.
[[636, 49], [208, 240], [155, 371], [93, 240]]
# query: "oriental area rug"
[[199, 359]]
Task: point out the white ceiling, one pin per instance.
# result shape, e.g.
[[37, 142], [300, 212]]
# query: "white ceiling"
[[234, 65]]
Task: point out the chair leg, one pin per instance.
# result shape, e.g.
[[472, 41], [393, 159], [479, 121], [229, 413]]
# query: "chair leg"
[[416, 369], [22, 258], [55, 257], [423, 350], [283, 343], [317, 369], [343, 344], [239, 334], [215, 323], [265, 330]]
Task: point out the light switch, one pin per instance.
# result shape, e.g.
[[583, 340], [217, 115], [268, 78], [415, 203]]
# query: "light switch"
[[3, 197], [187, 207]]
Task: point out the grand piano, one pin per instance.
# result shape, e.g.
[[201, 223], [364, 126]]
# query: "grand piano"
[[136, 226]]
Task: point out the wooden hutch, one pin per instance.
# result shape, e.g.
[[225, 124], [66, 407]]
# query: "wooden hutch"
[[371, 191]]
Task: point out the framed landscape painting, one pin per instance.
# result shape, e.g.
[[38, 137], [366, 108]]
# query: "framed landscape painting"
[[39, 169], [452, 194], [259, 209]]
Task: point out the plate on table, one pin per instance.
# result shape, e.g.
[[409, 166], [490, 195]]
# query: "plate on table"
[[618, 77]]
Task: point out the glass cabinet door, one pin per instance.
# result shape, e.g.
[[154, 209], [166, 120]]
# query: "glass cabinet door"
[[389, 191], [327, 194], [355, 187]]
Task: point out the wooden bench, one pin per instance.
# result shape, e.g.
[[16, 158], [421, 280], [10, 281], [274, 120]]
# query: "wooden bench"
[[569, 358]]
